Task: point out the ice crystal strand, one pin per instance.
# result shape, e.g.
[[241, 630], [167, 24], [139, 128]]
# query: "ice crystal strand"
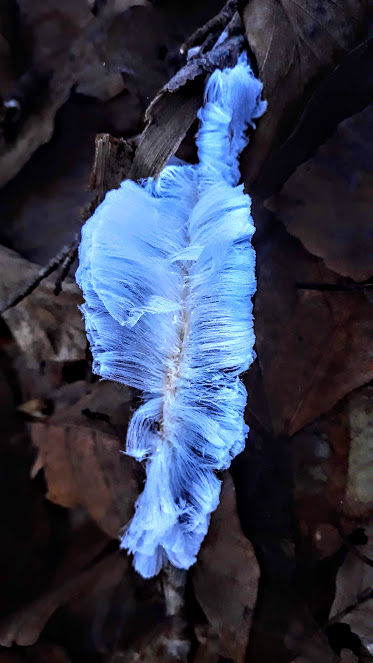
[[168, 272]]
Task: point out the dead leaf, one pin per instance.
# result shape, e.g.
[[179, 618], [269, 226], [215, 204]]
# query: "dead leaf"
[[288, 629], [45, 327], [138, 58], [209, 645], [327, 202], [331, 460], [113, 7], [366, 656], [359, 491], [83, 463], [316, 649], [103, 406], [40, 653], [8, 44], [327, 107], [82, 546], [36, 408], [323, 472], [87, 469], [316, 344], [327, 540], [348, 657], [226, 576], [320, 462], [61, 51], [26, 529], [25, 626], [353, 578], [99, 82], [294, 42]]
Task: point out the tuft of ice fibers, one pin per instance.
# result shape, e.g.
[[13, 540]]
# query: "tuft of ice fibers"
[[168, 271]]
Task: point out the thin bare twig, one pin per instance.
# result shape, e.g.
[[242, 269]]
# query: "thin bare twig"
[[43, 274], [353, 549], [68, 261], [214, 25], [234, 27]]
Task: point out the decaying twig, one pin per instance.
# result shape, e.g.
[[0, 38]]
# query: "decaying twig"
[[214, 25], [174, 586], [233, 28], [66, 264], [111, 164], [43, 274], [353, 549], [113, 157]]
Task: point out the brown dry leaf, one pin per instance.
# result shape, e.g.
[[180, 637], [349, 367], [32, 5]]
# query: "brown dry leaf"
[[25, 626], [98, 82], [323, 471], [36, 408], [61, 51], [348, 657], [8, 40], [317, 650], [113, 7], [354, 577], [80, 452], [294, 41], [327, 202], [46, 653], [40, 653], [84, 543], [304, 637], [320, 460], [53, 28], [359, 490], [68, 48], [314, 346], [226, 578], [317, 656], [209, 645], [85, 467], [332, 459], [44, 326], [327, 107]]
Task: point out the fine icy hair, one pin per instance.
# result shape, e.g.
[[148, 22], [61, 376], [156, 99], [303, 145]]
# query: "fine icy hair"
[[168, 271]]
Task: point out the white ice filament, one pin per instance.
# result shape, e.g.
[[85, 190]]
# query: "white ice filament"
[[168, 272]]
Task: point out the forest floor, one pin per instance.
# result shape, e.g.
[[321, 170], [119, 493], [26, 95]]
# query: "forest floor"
[[285, 573]]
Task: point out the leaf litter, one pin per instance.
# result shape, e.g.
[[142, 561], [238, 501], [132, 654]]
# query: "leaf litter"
[[283, 570]]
